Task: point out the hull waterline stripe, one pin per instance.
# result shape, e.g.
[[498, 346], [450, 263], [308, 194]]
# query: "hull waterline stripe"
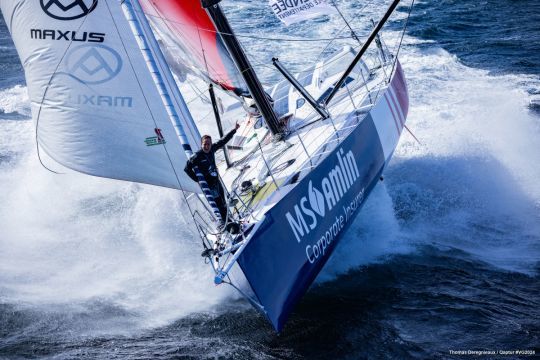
[[397, 108], [400, 88], [393, 115]]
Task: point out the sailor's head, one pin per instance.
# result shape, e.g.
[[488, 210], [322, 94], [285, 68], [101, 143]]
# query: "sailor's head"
[[206, 143]]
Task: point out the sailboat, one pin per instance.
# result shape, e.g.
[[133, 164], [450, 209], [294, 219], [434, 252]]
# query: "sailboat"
[[104, 80]]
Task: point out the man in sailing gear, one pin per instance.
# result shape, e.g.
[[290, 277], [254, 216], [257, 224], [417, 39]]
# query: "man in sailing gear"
[[205, 160]]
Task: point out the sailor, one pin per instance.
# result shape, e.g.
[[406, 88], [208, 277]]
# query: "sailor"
[[205, 160]]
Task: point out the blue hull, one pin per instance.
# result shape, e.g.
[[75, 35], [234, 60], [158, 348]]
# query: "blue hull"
[[301, 231]]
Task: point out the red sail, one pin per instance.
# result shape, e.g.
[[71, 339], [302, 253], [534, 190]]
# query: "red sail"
[[186, 28]]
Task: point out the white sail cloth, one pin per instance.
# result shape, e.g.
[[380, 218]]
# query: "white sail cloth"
[[95, 104]]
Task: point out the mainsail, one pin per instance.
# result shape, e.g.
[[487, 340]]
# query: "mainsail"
[[96, 107], [189, 36]]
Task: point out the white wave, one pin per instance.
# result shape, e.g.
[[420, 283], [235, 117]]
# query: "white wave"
[[373, 234], [479, 158], [472, 183], [74, 239], [15, 99]]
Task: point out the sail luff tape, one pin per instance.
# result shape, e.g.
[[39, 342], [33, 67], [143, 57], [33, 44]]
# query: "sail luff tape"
[[137, 31]]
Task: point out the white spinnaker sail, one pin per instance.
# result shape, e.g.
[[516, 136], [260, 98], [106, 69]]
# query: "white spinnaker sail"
[[95, 104]]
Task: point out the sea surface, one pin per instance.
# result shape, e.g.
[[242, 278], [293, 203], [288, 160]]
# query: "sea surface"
[[444, 256]]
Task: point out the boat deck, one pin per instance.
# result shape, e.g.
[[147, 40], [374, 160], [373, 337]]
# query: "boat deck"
[[273, 167]]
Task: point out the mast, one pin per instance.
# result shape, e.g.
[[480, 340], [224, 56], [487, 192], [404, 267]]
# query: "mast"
[[368, 42], [233, 46]]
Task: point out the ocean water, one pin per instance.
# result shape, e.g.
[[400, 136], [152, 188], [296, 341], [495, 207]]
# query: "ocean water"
[[444, 256]]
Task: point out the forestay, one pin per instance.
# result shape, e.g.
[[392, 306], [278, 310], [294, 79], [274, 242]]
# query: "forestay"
[[94, 102]]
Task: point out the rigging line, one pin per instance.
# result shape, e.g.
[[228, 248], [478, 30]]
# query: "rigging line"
[[252, 301], [202, 74], [43, 100], [315, 68], [202, 49], [401, 40], [410, 132], [198, 94], [353, 34], [293, 39], [148, 107], [246, 36], [343, 28], [337, 37], [205, 64], [206, 116], [258, 63], [166, 20], [340, 31], [330, 42], [396, 58]]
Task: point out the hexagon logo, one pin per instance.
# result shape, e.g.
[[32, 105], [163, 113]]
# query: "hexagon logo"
[[68, 9], [93, 64]]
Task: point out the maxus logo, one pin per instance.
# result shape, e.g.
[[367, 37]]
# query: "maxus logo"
[[93, 64], [45, 34], [68, 9], [334, 186]]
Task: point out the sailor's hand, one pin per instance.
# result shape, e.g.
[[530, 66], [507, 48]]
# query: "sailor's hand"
[[236, 126]]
